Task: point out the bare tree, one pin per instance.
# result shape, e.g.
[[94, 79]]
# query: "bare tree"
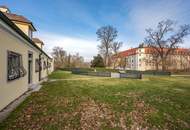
[[153, 59], [68, 63], [77, 61], [59, 56], [115, 47], [61, 59], [106, 35], [123, 63], [164, 40]]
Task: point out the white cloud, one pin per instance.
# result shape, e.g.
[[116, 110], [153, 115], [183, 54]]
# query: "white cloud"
[[85, 47], [141, 15], [147, 14]]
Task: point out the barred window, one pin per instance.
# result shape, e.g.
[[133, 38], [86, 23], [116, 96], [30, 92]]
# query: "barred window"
[[15, 67]]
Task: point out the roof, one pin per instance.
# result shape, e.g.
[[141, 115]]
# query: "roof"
[[176, 50], [128, 52], [20, 32], [37, 40], [19, 18], [148, 50]]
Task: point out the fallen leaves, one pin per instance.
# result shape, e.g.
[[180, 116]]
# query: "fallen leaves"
[[139, 114]]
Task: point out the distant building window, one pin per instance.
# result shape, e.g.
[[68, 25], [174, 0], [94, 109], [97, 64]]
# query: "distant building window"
[[15, 67]]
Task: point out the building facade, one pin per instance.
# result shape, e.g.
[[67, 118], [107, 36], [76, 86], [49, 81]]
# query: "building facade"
[[142, 59], [23, 62]]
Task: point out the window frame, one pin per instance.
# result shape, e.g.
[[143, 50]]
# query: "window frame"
[[8, 64], [37, 62], [44, 65]]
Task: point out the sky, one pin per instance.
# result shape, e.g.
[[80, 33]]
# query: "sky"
[[72, 24]]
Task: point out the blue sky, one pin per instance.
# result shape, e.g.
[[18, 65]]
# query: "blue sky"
[[72, 24]]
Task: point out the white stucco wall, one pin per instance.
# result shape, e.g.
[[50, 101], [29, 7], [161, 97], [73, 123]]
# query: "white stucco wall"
[[11, 41]]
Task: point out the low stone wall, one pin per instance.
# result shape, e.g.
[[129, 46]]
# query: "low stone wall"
[[108, 74], [115, 75], [90, 73], [130, 75]]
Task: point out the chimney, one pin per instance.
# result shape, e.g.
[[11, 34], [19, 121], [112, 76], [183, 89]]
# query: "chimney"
[[4, 9]]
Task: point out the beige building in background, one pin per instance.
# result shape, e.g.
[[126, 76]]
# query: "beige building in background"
[[23, 61], [142, 59]]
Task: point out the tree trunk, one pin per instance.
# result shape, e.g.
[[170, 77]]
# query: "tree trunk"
[[107, 60], [114, 65], [163, 64]]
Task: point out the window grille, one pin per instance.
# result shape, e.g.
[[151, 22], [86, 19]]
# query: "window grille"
[[15, 67]]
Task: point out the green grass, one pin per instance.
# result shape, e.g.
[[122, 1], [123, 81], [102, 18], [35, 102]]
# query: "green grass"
[[65, 75], [84, 102]]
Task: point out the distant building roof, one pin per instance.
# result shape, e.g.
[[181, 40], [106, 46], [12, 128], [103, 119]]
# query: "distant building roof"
[[19, 18], [37, 40], [128, 52], [149, 50]]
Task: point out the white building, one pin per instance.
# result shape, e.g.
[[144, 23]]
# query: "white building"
[[23, 63]]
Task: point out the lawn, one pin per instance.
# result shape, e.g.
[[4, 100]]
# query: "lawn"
[[91, 103]]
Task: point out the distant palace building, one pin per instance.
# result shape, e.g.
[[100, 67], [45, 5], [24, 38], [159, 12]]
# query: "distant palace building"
[[144, 58]]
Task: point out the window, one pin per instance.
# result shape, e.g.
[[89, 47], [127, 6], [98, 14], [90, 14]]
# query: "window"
[[37, 65], [15, 67], [45, 66], [49, 65], [30, 33]]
